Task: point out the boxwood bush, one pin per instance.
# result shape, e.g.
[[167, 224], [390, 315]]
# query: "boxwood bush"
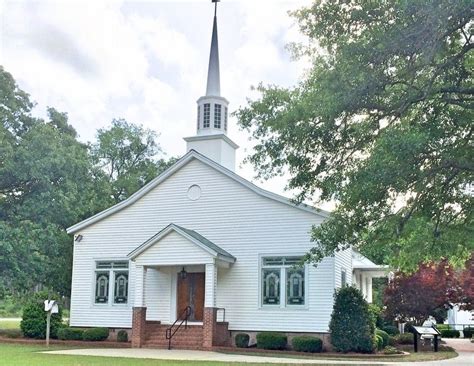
[[468, 332], [449, 333], [122, 336], [391, 330], [378, 340], [307, 344], [33, 323], [405, 338], [271, 340], [351, 326], [95, 334], [70, 334], [384, 335], [242, 340]]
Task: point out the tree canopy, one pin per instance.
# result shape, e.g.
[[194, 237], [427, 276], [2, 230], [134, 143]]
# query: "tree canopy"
[[381, 124], [49, 180]]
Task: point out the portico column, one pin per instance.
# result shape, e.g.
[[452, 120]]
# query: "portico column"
[[369, 289], [139, 308], [210, 311]]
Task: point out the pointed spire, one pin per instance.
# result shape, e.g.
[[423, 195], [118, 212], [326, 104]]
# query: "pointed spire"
[[213, 74]]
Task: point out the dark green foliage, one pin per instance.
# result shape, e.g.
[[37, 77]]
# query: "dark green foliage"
[[382, 123], [70, 334], [378, 342], [450, 333], [271, 340], [95, 334], [122, 336], [389, 350], [384, 335], [405, 338], [351, 326], [307, 344], [11, 333], [242, 340], [391, 330], [468, 332], [408, 327], [33, 323]]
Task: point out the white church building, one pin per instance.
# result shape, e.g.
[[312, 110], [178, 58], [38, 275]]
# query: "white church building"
[[201, 243]]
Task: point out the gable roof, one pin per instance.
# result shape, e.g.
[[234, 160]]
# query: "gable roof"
[[363, 263], [191, 155], [191, 235]]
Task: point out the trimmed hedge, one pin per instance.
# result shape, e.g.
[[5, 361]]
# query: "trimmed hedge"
[[242, 340], [271, 340], [378, 340], [307, 344], [450, 333], [384, 335], [122, 336], [70, 334], [95, 334], [468, 332], [440, 327], [391, 330], [352, 328], [33, 323], [405, 338]]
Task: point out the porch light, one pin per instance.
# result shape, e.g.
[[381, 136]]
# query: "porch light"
[[183, 273]]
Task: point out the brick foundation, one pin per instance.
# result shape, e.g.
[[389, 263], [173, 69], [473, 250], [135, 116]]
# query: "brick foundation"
[[214, 333], [138, 326]]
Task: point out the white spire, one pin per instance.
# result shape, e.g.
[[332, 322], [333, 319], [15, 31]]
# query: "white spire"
[[213, 77]]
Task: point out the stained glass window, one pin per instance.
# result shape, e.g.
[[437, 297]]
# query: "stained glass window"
[[102, 287], [121, 288], [295, 286], [271, 286]]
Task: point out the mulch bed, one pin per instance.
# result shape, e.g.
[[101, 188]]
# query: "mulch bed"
[[56, 342], [309, 355]]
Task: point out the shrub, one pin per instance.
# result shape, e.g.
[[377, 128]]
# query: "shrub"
[[351, 326], [270, 340], [122, 336], [389, 350], [391, 330], [405, 338], [96, 334], [11, 333], [378, 340], [408, 327], [307, 344], [70, 334], [468, 332], [384, 335], [33, 323], [392, 341], [242, 340], [440, 327], [449, 333]]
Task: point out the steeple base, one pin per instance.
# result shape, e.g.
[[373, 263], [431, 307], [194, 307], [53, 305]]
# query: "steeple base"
[[216, 147]]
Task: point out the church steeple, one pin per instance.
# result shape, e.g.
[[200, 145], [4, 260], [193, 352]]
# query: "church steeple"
[[212, 113], [213, 74]]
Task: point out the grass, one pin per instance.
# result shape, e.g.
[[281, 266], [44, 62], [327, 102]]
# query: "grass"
[[16, 354], [412, 357], [9, 324]]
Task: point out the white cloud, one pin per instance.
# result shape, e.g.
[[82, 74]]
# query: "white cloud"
[[145, 61]]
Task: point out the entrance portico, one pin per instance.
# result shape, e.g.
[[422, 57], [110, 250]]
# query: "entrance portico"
[[174, 269]]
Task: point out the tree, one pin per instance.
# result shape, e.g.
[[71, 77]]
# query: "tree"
[[428, 291], [382, 124], [352, 327], [129, 155]]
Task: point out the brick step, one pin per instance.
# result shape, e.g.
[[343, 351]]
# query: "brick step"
[[173, 346]]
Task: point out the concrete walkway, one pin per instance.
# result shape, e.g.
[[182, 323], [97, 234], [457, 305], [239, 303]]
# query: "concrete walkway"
[[465, 358]]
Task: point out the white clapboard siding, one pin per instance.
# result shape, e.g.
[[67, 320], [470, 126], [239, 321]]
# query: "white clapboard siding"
[[343, 260], [240, 221]]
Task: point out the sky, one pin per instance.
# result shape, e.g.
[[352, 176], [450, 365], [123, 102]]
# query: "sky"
[[146, 62]]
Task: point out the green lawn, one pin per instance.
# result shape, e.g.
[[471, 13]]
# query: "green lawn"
[[9, 324], [16, 354]]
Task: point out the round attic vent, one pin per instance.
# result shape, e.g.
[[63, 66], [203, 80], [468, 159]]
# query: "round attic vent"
[[194, 192]]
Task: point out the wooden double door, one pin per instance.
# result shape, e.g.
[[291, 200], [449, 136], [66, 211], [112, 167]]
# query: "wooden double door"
[[191, 293]]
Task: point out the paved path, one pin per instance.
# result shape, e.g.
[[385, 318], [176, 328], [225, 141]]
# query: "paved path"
[[463, 346]]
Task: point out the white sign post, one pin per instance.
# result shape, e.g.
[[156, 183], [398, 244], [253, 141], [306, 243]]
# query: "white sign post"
[[51, 307]]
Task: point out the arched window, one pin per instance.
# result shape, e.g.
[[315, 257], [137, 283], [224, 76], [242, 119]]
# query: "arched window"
[[116, 274], [295, 286], [102, 287], [121, 287], [271, 286]]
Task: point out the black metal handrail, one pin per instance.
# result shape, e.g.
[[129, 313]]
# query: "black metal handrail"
[[170, 332]]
